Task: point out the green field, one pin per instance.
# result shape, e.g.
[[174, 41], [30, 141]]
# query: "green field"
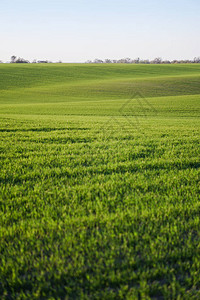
[[99, 181]]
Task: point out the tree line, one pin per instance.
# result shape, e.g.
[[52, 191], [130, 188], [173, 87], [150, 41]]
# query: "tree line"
[[157, 60], [19, 60]]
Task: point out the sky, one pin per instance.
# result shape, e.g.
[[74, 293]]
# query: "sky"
[[78, 30]]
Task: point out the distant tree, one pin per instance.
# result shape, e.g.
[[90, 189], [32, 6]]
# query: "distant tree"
[[166, 62], [42, 61], [98, 61], [121, 61], [13, 58], [197, 60], [34, 61], [128, 60], [21, 61], [175, 61], [136, 61], [18, 60], [144, 61], [157, 60], [108, 61]]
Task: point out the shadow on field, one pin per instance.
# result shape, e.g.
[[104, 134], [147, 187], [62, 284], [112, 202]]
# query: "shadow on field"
[[148, 167], [45, 129], [62, 140], [11, 179]]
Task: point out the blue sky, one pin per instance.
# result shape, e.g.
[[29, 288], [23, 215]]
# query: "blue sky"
[[74, 31]]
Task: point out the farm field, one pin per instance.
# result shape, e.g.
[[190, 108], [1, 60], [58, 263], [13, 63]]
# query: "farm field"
[[99, 181]]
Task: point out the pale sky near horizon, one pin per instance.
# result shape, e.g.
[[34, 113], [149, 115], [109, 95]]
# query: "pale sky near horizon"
[[78, 30]]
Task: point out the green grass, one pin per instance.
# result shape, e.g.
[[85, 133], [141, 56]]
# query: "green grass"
[[99, 181]]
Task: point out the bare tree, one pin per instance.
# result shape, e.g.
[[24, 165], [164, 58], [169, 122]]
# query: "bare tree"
[[13, 58], [98, 61], [157, 60], [108, 61], [197, 60]]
